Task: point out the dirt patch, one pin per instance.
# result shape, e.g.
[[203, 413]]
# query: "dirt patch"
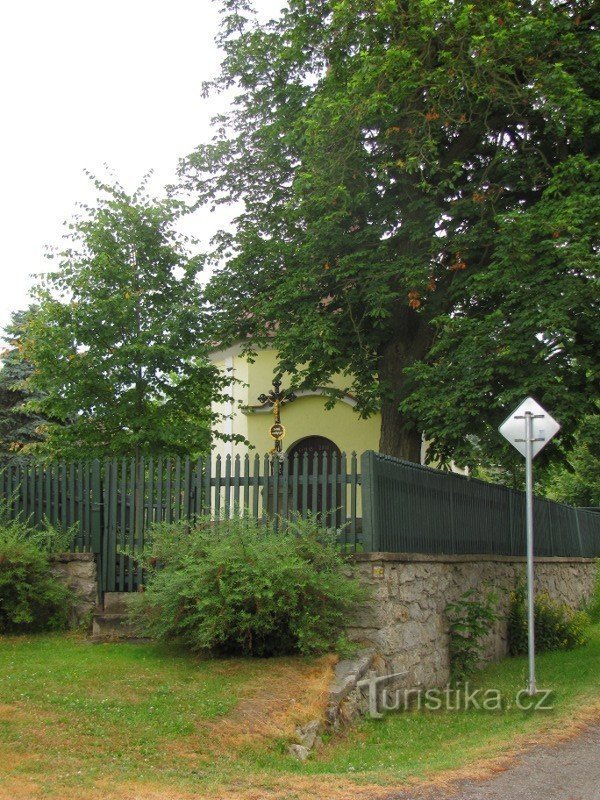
[[11, 712], [271, 706], [288, 696]]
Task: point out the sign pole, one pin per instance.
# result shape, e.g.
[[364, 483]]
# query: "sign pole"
[[530, 589], [537, 435]]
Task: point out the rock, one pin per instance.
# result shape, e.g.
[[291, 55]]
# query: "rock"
[[298, 751], [347, 673], [340, 688], [308, 734], [78, 572]]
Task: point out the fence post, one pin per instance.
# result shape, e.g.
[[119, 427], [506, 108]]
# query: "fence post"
[[96, 508], [371, 537], [452, 525], [579, 539]]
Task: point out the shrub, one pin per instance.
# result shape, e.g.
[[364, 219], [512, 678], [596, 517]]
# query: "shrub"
[[470, 620], [31, 599], [242, 588], [557, 627]]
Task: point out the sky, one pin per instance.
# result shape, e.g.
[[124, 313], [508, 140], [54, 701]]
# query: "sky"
[[84, 83]]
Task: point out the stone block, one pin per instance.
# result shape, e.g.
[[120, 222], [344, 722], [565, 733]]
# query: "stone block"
[[78, 572], [298, 751], [309, 735]]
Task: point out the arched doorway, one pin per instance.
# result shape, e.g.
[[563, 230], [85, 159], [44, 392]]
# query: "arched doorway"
[[312, 445], [313, 457]]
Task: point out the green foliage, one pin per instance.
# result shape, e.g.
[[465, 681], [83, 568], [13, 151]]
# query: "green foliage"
[[543, 277], [243, 588], [578, 480], [557, 627], [470, 620], [19, 428], [117, 342], [593, 607], [31, 599], [419, 185]]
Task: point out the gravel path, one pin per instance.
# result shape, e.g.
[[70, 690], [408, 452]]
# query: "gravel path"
[[567, 771]]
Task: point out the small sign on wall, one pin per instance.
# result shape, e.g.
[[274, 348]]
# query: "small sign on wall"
[[378, 571]]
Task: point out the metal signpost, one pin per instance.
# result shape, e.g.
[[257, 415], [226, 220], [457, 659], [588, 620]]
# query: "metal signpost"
[[529, 428]]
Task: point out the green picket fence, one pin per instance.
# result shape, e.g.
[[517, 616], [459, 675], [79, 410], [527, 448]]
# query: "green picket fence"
[[381, 504], [114, 503], [136, 496], [66, 495]]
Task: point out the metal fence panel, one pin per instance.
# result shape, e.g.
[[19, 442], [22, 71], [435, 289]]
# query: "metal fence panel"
[[415, 509], [387, 505]]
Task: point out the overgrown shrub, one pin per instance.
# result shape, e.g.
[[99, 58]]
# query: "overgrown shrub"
[[31, 598], [470, 620], [557, 627], [242, 588]]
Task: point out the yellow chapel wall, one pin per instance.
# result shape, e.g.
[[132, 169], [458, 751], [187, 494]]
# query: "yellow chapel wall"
[[262, 372], [306, 416], [232, 420]]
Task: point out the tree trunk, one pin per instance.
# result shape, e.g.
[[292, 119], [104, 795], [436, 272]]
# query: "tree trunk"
[[411, 339], [397, 437]]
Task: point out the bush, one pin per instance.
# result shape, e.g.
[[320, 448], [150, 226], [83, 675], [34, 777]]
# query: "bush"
[[31, 599], [242, 588], [557, 627], [470, 620]]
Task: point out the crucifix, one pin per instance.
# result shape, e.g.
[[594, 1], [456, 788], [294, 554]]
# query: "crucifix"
[[276, 398]]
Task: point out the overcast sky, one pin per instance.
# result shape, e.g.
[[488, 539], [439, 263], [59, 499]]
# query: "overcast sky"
[[85, 82]]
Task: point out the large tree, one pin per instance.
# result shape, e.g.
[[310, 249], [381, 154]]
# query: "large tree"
[[117, 344], [417, 182]]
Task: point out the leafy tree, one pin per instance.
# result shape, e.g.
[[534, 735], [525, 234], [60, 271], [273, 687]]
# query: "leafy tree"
[[578, 480], [117, 343], [530, 326], [18, 427], [419, 188]]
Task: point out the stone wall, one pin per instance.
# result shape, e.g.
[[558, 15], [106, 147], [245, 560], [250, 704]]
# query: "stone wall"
[[405, 623], [78, 572]]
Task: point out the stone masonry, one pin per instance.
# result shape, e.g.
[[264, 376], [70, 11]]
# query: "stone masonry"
[[78, 572], [405, 624], [402, 628]]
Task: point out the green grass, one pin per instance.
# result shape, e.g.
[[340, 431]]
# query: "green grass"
[[77, 714], [95, 708], [416, 742]]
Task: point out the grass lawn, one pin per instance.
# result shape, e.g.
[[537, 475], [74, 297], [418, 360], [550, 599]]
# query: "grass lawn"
[[142, 721]]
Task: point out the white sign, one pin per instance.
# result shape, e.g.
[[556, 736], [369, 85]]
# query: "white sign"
[[544, 427]]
